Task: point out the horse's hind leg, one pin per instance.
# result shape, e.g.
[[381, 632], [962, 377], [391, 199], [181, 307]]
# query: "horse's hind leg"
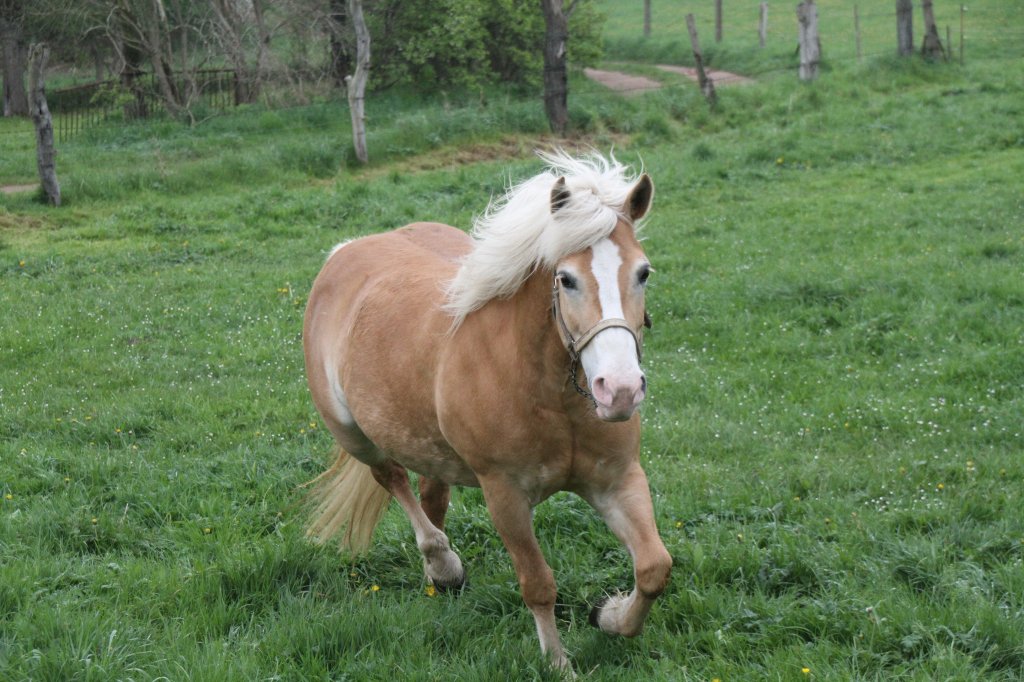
[[434, 498], [440, 563], [627, 511]]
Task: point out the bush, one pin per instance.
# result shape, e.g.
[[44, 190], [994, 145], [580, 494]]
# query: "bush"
[[470, 43]]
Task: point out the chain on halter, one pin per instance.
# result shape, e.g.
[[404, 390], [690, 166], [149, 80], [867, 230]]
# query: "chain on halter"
[[575, 346]]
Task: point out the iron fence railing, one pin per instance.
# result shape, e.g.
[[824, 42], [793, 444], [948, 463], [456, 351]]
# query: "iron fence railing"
[[135, 96]]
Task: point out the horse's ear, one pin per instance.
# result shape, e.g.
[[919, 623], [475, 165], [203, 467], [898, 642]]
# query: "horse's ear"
[[640, 197], [559, 195]]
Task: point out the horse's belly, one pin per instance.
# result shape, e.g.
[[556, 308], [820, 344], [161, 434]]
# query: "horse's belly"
[[442, 465], [408, 434]]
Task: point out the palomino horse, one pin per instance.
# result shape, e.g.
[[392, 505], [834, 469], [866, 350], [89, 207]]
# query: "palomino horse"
[[456, 357]]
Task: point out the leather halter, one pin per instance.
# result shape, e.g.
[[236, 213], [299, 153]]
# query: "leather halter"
[[575, 346]]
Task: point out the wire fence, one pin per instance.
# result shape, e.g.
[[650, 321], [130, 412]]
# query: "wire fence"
[[967, 34]]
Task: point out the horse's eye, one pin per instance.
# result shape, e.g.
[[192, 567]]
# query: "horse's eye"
[[567, 280], [643, 274]]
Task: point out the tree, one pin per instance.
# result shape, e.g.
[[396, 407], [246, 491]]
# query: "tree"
[[45, 154], [556, 75], [357, 82], [341, 52], [905, 27], [931, 48], [15, 54], [239, 27], [810, 44]]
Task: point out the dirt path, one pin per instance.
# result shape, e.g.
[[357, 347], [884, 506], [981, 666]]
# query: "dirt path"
[[622, 82], [15, 189], [719, 77], [628, 84]]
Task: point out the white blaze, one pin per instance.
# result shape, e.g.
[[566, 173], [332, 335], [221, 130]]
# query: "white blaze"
[[612, 353]]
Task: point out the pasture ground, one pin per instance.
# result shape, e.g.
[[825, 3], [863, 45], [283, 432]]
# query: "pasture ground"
[[833, 435]]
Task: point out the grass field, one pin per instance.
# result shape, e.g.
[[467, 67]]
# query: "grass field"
[[833, 436]]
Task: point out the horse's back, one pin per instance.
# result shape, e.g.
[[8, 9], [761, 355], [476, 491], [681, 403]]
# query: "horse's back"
[[443, 241]]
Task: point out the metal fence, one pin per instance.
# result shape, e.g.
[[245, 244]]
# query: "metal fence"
[[136, 96]]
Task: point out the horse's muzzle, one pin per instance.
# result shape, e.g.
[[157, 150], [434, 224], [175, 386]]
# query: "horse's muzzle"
[[618, 397]]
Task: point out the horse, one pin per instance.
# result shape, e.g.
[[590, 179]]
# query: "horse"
[[459, 357]]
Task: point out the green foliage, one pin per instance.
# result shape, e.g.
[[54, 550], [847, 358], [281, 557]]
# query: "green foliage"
[[468, 43]]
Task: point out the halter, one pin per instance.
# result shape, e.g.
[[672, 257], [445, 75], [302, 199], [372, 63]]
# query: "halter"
[[575, 346]]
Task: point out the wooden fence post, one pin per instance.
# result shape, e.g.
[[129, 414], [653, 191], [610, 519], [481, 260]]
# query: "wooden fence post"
[[707, 86], [762, 26], [810, 44], [905, 27], [963, 10], [647, 18], [856, 30], [718, 21], [45, 155], [931, 48]]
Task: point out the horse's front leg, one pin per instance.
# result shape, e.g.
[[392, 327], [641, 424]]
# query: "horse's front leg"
[[510, 512], [627, 510]]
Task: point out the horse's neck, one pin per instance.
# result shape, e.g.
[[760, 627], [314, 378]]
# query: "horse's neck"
[[535, 331], [521, 334]]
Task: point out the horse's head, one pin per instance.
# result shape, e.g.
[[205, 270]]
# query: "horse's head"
[[599, 306]]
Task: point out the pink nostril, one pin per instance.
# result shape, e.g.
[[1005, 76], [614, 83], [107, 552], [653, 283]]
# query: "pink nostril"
[[601, 391]]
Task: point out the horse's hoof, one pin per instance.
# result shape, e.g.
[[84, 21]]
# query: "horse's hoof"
[[595, 613], [455, 586]]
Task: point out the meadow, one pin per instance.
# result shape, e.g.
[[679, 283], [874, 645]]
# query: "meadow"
[[833, 433]]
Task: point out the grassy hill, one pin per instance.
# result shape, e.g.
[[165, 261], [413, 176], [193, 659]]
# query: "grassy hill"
[[833, 433]]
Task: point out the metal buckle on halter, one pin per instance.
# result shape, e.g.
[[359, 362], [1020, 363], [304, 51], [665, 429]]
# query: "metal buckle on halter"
[[575, 346]]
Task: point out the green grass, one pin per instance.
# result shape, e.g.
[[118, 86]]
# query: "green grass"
[[992, 32], [833, 434]]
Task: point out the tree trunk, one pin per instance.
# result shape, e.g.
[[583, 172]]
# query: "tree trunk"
[[810, 44], [231, 36], [341, 55], [905, 27], [357, 83], [99, 65], [15, 100], [45, 154], [262, 45], [130, 72], [556, 74], [932, 46], [159, 56]]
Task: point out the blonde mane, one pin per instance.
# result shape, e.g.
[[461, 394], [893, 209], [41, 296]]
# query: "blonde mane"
[[519, 232]]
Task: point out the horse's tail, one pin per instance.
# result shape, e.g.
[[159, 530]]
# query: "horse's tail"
[[347, 500]]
